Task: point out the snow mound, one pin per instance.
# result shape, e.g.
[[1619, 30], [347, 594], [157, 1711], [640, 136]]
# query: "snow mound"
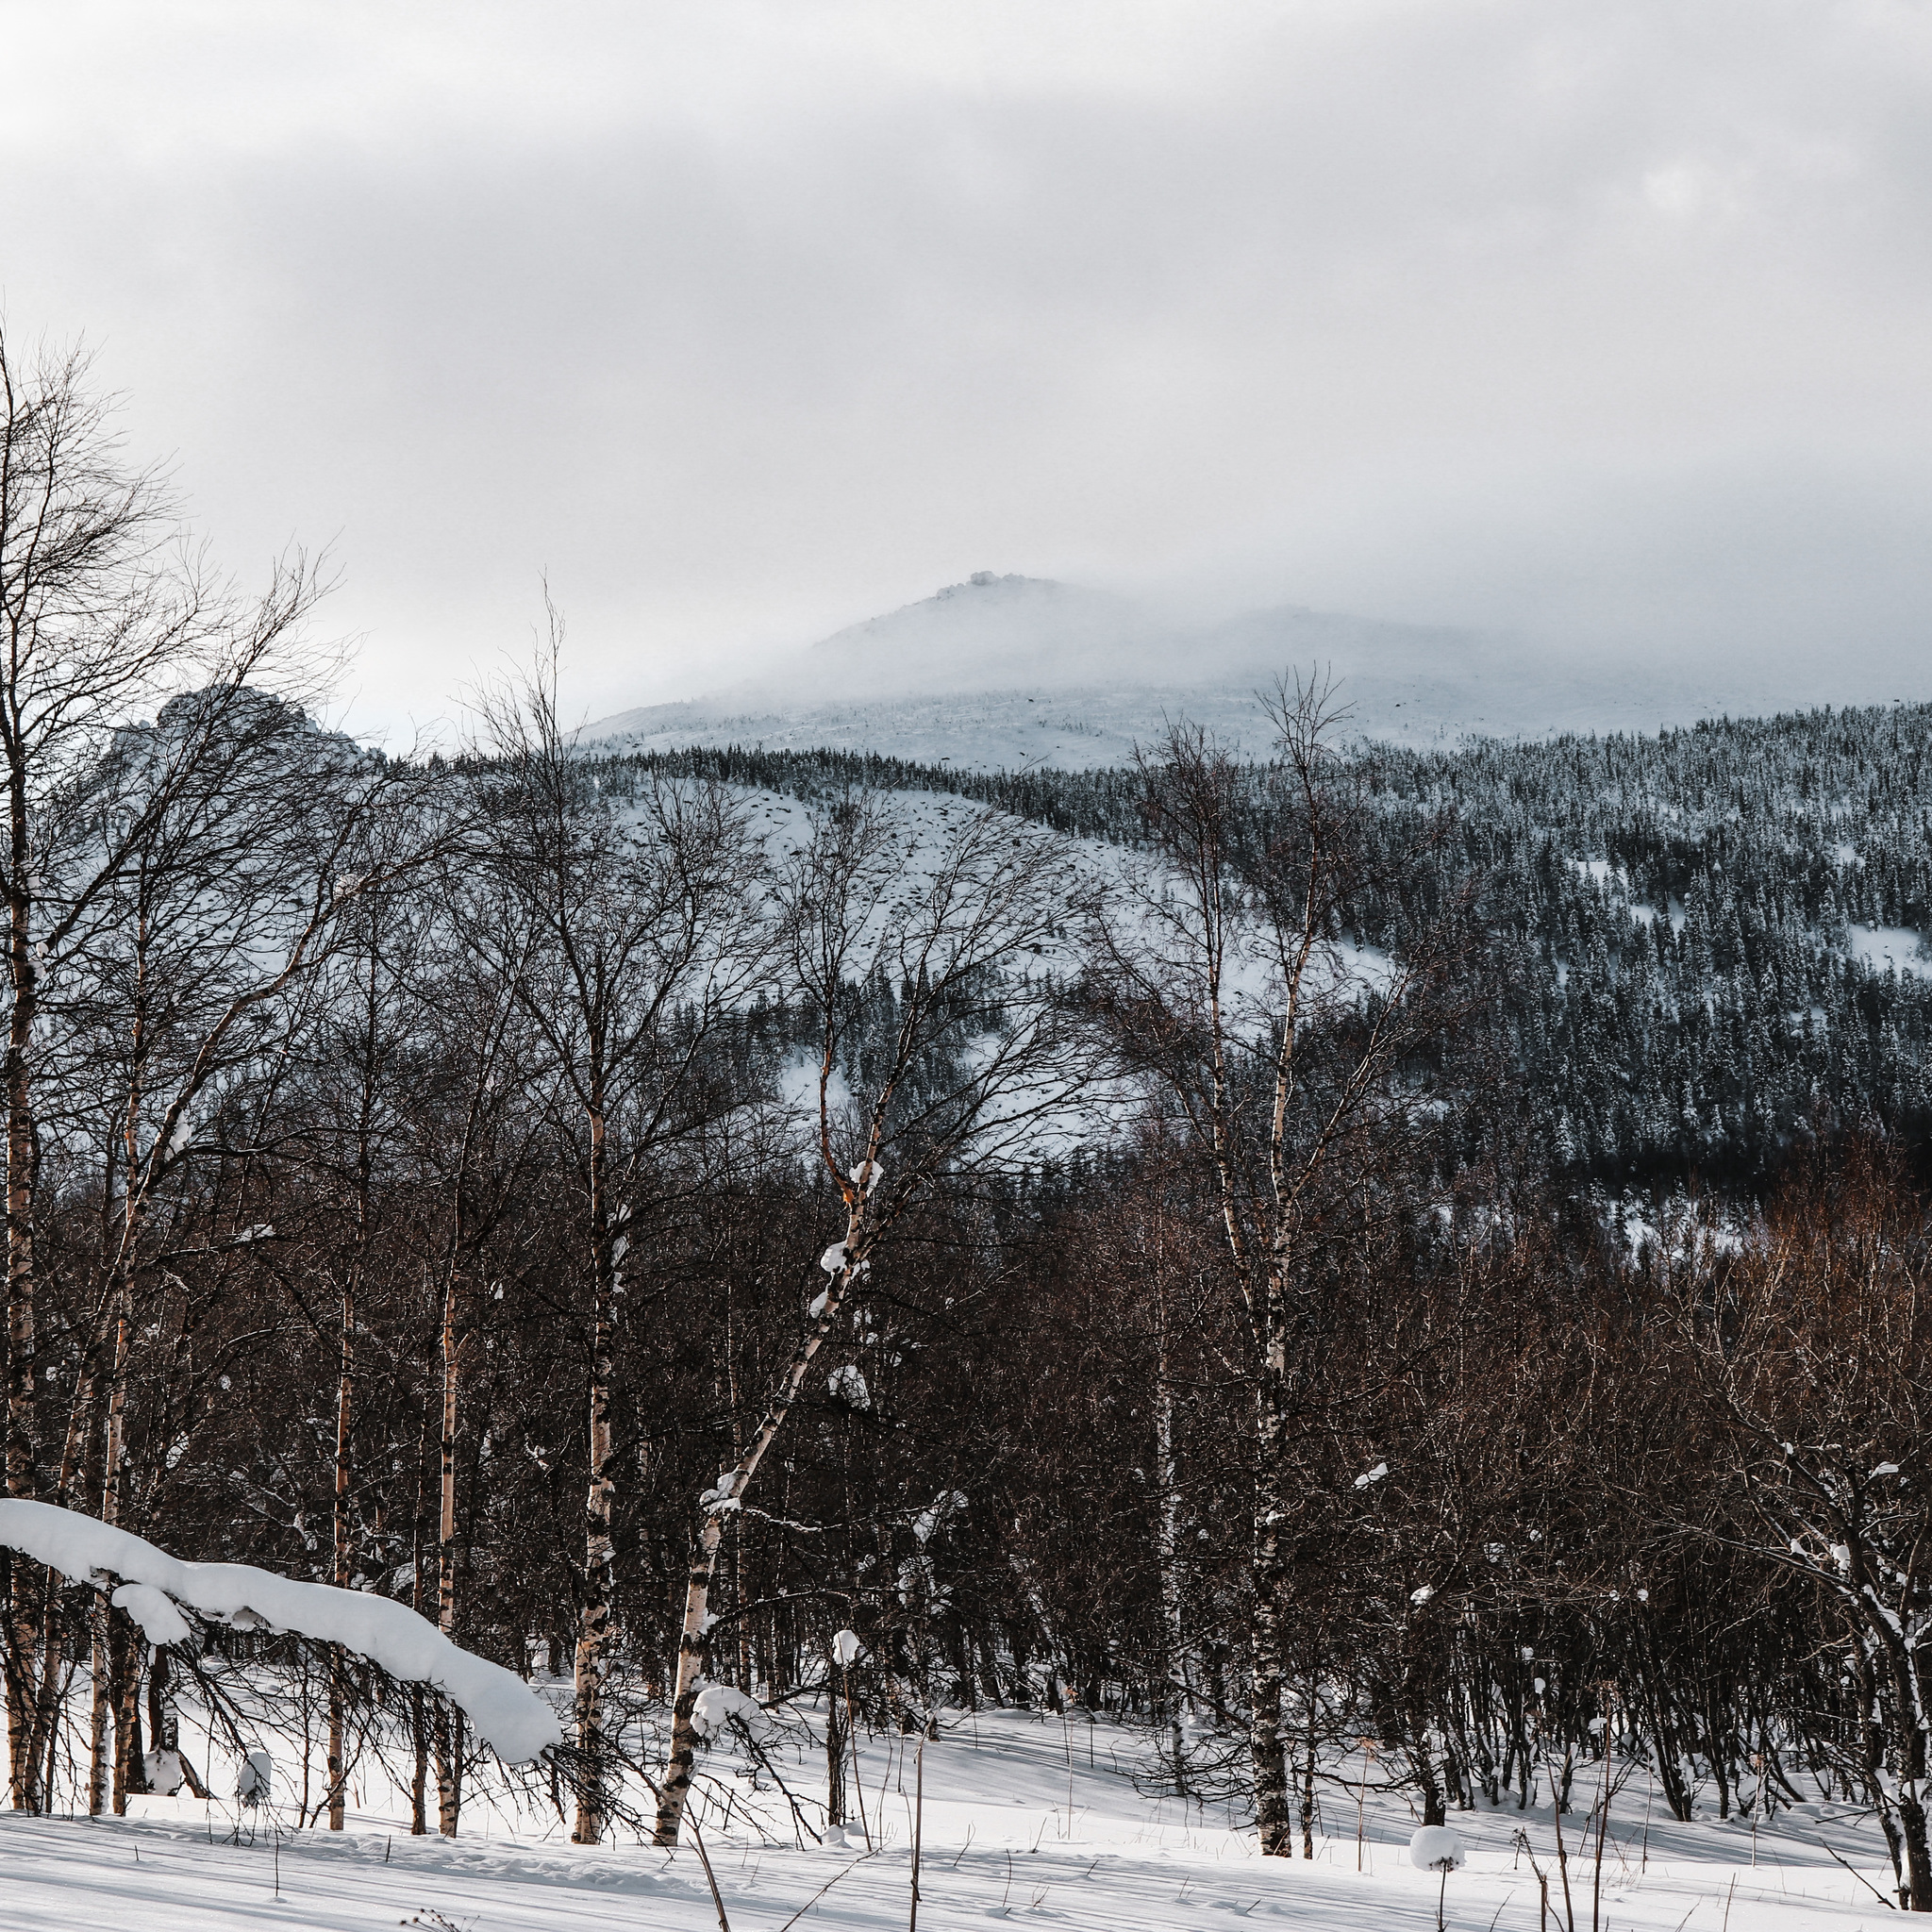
[[1436, 1848]]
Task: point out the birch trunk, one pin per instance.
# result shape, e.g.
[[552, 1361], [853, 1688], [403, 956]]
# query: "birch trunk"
[[43, 1707], [22, 1439], [97, 1709], [1267, 1754], [448, 1796], [419, 1709], [124, 1674], [835, 1755], [345, 1386], [1180, 1690], [102, 1685], [725, 1500], [1909, 1692], [40, 1746], [120, 1300], [419, 1775], [345, 1400], [593, 1634]]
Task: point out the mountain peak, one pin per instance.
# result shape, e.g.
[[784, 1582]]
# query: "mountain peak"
[[1012, 629], [985, 593], [992, 581]]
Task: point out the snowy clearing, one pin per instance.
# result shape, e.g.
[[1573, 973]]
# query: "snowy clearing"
[[1026, 1817], [1897, 946]]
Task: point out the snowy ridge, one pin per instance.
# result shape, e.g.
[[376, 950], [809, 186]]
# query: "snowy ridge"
[[517, 1722]]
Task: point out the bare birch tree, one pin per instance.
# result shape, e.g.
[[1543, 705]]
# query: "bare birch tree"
[[252, 848], [104, 615], [481, 1147], [1274, 1050], [629, 930], [977, 1058]]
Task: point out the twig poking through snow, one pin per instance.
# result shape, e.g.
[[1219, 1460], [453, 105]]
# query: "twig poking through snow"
[[710, 1878]]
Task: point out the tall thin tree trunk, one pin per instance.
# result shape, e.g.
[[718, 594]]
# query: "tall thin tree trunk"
[[345, 1387], [1309, 1756], [419, 1775], [56, 1696], [97, 1709], [39, 1746], [835, 1755], [124, 1674], [435, 1731], [345, 1399], [22, 1365], [723, 1501], [105, 1714], [419, 1708], [448, 1798], [692, 1650], [1909, 1693], [599, 1552], [103, 1687], [1179, 1692], [1266, 1752], [45, 1711]]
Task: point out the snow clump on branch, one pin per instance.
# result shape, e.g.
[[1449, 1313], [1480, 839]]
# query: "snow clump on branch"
[[515, 1722], [718, 1704], [848, 1385]]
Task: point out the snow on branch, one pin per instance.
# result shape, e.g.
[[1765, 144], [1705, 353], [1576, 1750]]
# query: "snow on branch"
[[516, 1722]]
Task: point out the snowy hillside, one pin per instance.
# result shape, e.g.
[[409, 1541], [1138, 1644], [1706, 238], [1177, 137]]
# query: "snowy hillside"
[[1008, 670], [1789, 985]]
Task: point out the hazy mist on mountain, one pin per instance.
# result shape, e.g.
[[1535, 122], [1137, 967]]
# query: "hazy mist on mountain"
[[1004, 670]]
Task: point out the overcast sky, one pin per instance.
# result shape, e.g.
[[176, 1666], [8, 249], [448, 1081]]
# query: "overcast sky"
[[1609, 323]]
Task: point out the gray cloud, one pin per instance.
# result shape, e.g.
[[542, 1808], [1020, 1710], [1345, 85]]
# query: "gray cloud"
[[745, 322]]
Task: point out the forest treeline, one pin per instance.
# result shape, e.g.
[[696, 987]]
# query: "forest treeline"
[[652, 1245]]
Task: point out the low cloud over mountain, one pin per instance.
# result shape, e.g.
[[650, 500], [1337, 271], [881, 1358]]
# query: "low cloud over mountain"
[[1004, 670]]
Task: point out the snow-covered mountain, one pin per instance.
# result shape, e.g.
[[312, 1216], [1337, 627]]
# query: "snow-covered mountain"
[[1001, 671]]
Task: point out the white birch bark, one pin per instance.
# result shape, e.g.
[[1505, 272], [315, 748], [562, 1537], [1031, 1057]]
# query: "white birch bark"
[[1181, 1671], [600, 1553]]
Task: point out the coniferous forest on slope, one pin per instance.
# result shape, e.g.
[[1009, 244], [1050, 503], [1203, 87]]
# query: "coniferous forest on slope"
[[1755, 1016]]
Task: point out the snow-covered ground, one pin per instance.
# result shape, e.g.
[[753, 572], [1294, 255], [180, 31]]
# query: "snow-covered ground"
[[1034, 1818]]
